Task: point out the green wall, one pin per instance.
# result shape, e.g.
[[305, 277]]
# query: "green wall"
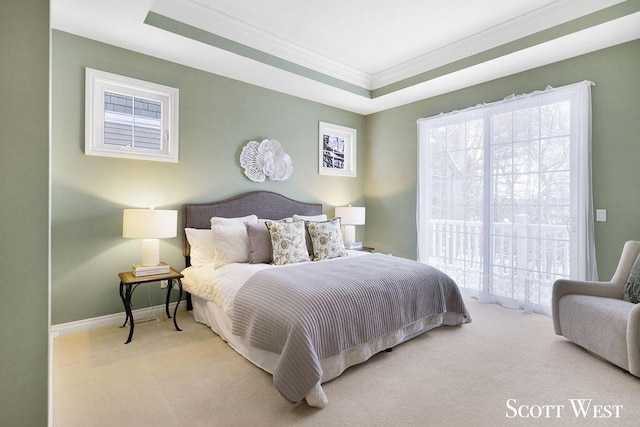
[[392, 149], [218, 116], [24, 217]]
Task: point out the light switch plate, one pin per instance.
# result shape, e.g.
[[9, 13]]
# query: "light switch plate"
[[601, 215]]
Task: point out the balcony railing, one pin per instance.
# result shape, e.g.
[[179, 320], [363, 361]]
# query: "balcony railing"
[[524, 258]]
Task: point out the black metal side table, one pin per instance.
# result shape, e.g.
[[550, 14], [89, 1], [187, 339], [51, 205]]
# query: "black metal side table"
[[129, 282]]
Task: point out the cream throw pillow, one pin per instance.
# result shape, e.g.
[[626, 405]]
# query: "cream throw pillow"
[[288, 242], [231, 244], [237, 221], [201, 244]]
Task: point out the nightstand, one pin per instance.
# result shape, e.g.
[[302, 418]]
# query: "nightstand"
[[129, 282], [365, 249]]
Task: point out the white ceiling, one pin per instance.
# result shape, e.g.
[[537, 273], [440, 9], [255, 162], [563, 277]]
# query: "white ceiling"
[[360, 55]]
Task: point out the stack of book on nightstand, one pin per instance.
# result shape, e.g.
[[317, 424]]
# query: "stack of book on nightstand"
[[149, 270], [353, 245]]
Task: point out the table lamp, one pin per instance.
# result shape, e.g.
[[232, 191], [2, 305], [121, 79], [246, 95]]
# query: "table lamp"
[[149, 225], [350, 216]]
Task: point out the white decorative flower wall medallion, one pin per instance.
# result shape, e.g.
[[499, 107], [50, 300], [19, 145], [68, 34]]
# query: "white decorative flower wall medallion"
[[265, 159]]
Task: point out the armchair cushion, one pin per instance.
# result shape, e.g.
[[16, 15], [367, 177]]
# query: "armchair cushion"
[[583, 321], [632, 288]]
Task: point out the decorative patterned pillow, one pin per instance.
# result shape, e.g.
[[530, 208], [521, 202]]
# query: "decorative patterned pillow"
[[314, 218], [632, 288], [288, 242], [310, 218], [326, 238]]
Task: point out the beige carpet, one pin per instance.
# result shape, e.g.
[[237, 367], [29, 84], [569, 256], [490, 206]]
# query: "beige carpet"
[[451, 376]]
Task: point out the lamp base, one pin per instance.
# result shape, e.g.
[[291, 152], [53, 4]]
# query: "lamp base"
[[348, 233], [150, 252]]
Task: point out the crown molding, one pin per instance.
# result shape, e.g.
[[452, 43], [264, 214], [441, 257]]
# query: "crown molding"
[[199, 14], [122, 23], [537, 20]]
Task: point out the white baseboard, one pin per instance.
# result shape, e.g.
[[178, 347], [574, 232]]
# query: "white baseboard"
[[112, 319]]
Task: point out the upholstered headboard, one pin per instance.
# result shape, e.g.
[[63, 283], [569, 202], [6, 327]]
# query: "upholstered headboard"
[[264, 204]]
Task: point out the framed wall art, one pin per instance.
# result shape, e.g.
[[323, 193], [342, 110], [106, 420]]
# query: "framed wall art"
[[337, 150]]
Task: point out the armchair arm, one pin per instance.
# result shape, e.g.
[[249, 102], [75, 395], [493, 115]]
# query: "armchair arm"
[[563, 287], [633, 341], [611, 289]]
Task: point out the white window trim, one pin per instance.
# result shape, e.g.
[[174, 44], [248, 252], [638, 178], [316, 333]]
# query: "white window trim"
[[96, 83]]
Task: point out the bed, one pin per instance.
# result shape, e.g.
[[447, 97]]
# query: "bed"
[[304, 322]]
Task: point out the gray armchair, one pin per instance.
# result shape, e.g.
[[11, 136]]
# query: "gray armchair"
[[594, 315]]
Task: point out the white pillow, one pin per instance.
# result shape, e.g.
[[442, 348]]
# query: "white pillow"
[[313, 218], [237, 221], [231, 244], [201, 243]]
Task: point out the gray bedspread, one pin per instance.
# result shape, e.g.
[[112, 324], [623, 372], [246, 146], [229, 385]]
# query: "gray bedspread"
[[312, 311]]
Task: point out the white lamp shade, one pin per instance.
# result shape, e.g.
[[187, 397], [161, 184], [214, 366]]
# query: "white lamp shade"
[[351, 215], [149, 223]]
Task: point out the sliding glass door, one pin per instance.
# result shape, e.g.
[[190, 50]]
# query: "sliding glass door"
[[503, 203]]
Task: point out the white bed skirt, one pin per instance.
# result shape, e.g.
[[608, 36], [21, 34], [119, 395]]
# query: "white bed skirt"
[[213, 316]]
